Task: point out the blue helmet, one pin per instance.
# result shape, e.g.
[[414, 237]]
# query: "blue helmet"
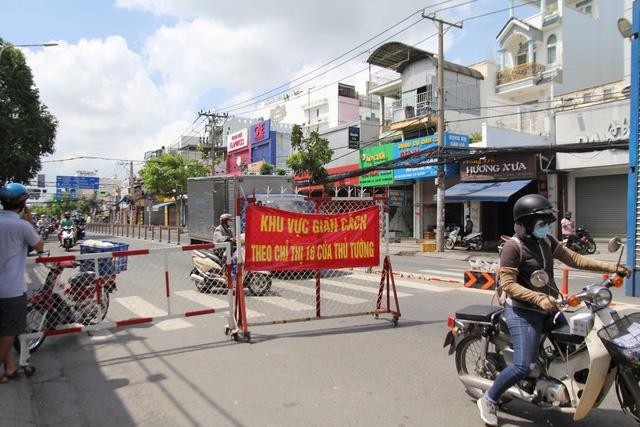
[[13, 194]]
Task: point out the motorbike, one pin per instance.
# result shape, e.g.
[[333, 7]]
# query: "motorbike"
[[80, 233], [43, 231], [503, 239], [582, 242], [68, 238], [209, 274], [77, 303], [577, 364], [471, 241]]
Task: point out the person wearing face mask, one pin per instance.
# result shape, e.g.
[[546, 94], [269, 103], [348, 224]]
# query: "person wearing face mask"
[[527, 308]]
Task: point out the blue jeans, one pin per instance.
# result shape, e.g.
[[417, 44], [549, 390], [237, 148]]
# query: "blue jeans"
[[525, 327]]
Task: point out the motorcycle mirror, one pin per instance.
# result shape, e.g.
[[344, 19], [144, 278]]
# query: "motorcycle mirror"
[[539, 279], [614, 244]]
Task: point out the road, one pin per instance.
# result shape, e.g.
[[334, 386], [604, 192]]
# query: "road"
[[342, 371]]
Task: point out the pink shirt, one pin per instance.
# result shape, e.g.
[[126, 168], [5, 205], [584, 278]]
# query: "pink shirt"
[[568, 227]]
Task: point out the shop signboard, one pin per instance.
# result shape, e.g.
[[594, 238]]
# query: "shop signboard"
[[496, 168], [371, 156], [397, 198], [406, 148], [354, 137], [260, 131], [237, 141]]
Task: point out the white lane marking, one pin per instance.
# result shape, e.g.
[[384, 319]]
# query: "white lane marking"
[[368, 289], [287, 303], [211, 301], [142, 308], [458, 275], [345, 299], [407, 284]]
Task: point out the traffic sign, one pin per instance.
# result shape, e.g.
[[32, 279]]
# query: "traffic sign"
[[78, 182], [66, 181]]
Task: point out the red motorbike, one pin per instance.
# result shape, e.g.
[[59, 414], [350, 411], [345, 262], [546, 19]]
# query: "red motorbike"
[[84, 299]]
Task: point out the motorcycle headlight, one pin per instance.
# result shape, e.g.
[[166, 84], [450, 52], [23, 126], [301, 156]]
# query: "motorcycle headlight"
[[602, 298]]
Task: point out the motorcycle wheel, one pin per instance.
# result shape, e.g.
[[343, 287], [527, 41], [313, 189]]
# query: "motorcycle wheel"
[[629, 406], [591, 248], [99, 315], [467, 357], [258, 284], [37, 320], [477, 244], [449, 244]]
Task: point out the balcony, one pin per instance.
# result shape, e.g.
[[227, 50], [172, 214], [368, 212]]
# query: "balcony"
[[519, 72]]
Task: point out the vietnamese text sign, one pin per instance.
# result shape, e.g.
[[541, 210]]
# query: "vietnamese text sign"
[[80, 182], [237, 140], [283, 240], [407, 148], [516, 166], [371, 156]]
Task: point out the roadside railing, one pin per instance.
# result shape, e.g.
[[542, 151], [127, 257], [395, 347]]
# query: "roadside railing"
[[160, 233]]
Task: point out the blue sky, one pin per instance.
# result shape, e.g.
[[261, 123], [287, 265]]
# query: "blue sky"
[[130, 75]]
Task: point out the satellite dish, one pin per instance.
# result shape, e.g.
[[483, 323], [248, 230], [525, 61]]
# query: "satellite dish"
[[624, 26]]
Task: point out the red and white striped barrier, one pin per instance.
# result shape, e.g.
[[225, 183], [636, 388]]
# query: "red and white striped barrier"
[[159, 260]]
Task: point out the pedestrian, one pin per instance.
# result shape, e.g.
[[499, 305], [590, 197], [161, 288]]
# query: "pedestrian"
[[17, 236], [568, 229], [468, 226], [526, 309]]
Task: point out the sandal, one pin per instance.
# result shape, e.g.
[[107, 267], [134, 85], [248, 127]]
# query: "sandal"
[[13, 376]]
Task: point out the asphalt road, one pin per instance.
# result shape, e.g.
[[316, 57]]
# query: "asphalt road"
[[343, 371]]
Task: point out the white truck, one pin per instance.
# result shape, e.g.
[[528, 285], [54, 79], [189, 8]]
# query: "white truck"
[[211, 196]]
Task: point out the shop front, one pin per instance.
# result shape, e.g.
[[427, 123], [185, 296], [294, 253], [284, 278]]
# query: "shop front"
[[490, 186]]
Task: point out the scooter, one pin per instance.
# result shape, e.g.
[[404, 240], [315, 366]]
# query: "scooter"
[[77, 303], [577, 364], [209, 274], [68, 238], [472, 241], [582, 242]]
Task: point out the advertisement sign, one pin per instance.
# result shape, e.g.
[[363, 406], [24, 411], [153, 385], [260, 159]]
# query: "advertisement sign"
[[354, 137], [283, 240], [260, 131], [371, 156], [237, 162], [406, 148], [237, 140], [397, 198], [497, 168]]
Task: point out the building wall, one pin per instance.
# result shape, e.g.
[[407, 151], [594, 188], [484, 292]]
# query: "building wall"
[[495, 137], [593, 50], [338, 138]]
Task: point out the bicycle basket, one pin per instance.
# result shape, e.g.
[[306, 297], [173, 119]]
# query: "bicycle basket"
[[622, 339]]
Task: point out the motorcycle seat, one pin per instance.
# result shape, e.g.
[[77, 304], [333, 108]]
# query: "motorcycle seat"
[[563, 334], [478, 313]]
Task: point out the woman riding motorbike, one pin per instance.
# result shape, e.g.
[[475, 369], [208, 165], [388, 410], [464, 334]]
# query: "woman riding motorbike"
[[527, 310]]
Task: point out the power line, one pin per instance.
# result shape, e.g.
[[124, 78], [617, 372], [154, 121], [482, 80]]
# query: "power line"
[[91, 158]]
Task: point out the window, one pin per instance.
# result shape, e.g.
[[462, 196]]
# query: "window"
[[521, 57], [584, 6], [551, 49], [317, 113], [586, 97], [607, 93]]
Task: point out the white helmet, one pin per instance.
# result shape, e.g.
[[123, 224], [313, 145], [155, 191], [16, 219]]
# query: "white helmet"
[[225, 217]]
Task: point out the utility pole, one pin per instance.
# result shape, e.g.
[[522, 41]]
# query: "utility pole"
[[213, 120], [440, 205], [131, 198]]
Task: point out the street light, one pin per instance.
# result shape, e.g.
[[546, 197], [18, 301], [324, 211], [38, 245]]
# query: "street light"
[[4, 45]]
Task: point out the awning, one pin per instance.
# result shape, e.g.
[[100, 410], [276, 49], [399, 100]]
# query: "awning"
[[484, 191], [160, 205]]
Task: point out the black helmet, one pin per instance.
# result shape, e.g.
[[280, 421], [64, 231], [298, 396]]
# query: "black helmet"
[[13, 195], [567, 214], [533, 204]]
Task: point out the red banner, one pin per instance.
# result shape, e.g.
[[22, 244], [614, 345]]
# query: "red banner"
[[283, 240]]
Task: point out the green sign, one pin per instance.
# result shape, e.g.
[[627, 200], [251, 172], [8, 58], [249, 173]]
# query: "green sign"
[[372, 156]]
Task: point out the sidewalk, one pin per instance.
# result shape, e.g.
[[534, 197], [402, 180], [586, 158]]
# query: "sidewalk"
[[413, 248]]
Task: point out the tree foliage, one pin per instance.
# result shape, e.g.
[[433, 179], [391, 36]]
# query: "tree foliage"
[[309, 156], [266, 169], [167, 175], [27, 128]]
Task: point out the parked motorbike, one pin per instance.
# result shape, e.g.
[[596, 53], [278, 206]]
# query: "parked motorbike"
[[209, 274], [68, 238], [472, 241], [77, 303], [577, 364]]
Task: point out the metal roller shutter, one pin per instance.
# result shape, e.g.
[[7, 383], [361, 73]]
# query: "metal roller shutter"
[[601, 203]]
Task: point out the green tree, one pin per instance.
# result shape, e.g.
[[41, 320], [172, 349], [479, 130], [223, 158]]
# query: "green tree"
[[266, 169], [167, 175], [309, 156], [27, 128]]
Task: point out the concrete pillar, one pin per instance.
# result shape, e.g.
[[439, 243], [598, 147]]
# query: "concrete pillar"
[[511, 6], [530, 51], [417, 210], [543, 6], [381, 112]]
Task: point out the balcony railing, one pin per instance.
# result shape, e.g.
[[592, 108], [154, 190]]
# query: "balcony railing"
[[519, 72]]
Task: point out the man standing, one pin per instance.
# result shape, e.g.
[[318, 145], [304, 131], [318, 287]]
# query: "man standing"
[[16, 236], [468, 226]]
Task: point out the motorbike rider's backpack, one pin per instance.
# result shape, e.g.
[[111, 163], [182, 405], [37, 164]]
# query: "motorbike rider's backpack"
[[502, 297]]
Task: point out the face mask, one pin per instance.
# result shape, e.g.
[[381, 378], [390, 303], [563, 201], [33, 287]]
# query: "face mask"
[[541, 231]]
